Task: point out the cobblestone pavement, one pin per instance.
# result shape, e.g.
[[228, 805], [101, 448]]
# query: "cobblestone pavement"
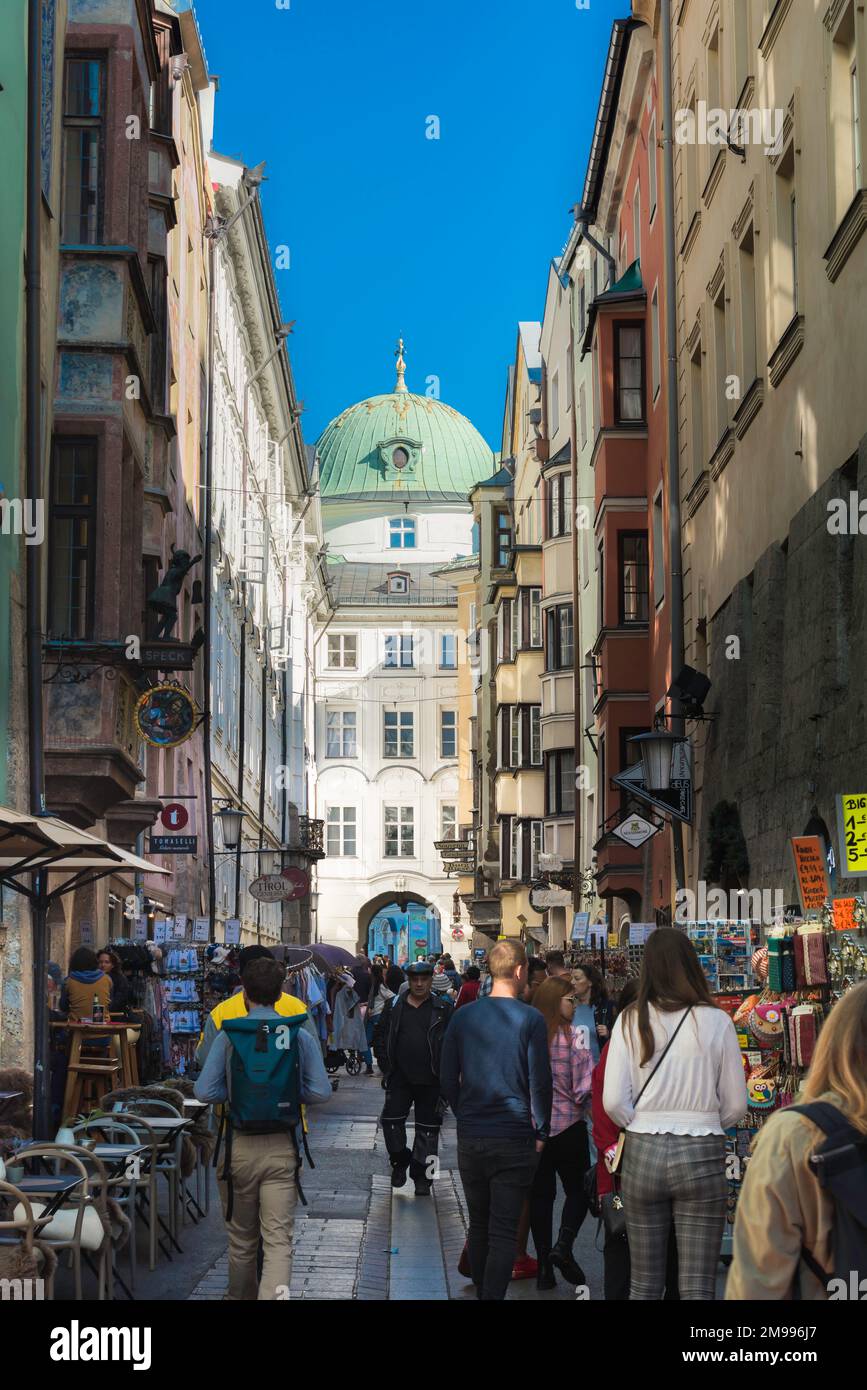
[[360, 1239]]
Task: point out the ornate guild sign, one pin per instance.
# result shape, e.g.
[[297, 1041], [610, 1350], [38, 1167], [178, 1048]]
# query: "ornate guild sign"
[[166, 715]]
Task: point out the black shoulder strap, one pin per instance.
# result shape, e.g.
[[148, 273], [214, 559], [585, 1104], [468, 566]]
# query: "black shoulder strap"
[[829, 1119], [662, 1058]]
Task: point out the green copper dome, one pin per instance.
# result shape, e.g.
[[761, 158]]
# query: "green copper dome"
[[402, 445]]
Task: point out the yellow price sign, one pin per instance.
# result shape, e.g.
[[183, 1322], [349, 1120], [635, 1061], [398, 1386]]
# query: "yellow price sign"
[[852, 824]]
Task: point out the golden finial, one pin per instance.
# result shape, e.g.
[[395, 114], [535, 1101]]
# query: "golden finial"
[[400, 384]]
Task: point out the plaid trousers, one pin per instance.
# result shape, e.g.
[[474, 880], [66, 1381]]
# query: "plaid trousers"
[[679, 1179]]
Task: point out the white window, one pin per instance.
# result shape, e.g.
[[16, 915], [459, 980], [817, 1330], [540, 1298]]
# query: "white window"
[[514, 847], [398, 733], [448, 733], [398, 650], [341, 828], [515, 619], [536, 827], [448, 822], [340, 733], [656, 365], [651, 165], [536, 735], [398, 582], [399, 824], [535, 617], [401, 531], [449, 649], [658, 550], [555, 405], [342, 650]]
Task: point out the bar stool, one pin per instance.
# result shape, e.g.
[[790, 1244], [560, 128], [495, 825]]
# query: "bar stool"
[[87, 1076]]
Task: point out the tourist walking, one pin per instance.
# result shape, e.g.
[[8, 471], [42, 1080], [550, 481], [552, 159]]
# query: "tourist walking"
[[566, 1153], [674, 1081], [496, 1075], [377, 999], [469, 990], [594, 1011], [785, 1241], [235, 1006], [259, 1180], [408, 1042]]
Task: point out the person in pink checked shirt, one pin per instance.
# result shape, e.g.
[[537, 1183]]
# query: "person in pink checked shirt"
[[566, 1154]]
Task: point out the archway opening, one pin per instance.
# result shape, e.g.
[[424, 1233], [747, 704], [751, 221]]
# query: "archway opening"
[[402, 926]]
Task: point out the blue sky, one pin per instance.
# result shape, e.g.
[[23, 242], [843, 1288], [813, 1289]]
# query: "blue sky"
[[446, 241]]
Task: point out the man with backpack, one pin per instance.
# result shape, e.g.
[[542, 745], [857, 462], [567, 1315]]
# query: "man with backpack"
[[264, 1065], [408, 1042]]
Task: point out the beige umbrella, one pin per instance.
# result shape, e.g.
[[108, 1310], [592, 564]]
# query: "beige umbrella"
[[31, 849]]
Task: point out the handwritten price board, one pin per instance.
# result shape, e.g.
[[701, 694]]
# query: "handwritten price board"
[[810, 870]]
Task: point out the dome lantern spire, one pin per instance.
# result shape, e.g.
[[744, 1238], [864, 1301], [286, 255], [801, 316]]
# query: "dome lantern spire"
[[400, 384]]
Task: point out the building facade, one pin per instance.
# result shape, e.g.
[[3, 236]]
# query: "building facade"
[[395, 473], [772, 292]]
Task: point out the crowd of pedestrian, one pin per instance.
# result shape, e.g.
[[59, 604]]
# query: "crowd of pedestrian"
[[622, 1102]]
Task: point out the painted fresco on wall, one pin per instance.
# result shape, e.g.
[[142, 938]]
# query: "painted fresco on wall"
[[49, 26], [91, 302], [85, 378]]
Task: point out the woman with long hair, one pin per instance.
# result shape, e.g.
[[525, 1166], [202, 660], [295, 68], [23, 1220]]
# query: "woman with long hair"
[[566, 1154], [785, 1218], [85, 983], [376, 1001], [593, 1009], [674, 1081], [109, 962]]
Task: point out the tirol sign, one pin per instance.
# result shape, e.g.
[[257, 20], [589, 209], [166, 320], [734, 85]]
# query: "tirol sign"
[[270, 888]]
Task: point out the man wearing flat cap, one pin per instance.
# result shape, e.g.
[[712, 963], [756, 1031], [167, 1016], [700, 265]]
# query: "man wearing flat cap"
[[408, 1043]]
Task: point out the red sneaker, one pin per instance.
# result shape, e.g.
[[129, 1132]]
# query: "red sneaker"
[[525, 1267]]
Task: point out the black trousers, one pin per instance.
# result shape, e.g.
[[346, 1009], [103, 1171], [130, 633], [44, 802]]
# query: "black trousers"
[[400, 1097], [497, 1175], [566, 1156]]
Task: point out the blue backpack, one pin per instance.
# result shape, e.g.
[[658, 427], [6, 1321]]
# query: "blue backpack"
[[264, 1073]]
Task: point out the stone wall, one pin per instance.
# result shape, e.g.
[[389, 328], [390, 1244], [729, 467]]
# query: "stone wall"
[[790, 730]]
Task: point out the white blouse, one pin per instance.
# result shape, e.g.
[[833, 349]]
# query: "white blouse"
[[700, 1087]]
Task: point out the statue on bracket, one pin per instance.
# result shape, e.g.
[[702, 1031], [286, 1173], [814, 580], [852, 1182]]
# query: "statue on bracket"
[[164, 599]]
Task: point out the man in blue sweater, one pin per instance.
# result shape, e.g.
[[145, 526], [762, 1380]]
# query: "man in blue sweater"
[[495, 1073]]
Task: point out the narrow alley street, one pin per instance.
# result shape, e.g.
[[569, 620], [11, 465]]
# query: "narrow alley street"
[[356, 1239]]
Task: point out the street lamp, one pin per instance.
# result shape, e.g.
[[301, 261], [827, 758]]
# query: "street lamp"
[[230, 818], [656, 750]]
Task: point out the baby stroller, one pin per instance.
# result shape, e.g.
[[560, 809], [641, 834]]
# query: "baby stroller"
[[339, 1057]]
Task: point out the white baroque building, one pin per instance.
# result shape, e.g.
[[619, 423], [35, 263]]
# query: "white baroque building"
[[395, 471]]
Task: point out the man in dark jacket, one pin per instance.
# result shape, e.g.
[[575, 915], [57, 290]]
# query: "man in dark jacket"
[[408, 1045]]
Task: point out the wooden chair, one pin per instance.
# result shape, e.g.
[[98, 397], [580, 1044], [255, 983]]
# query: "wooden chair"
[[83, 1226], [21, 1255]]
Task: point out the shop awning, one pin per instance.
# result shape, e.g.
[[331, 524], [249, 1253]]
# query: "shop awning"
[[33, 844]]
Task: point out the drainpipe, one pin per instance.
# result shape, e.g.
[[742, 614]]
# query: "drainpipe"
[[34, 494], [209, 596], [674, 519], [577, 641], [597, 246]]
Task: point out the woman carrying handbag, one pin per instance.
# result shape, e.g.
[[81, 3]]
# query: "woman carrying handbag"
[[674, 1082]]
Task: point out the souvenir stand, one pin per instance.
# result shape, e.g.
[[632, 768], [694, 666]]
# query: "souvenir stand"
[[184, 977], [142, 962], [777, 1018]]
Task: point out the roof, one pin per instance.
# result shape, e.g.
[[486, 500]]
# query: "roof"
[[530, 335], [363, 584], [614, 64], [447, 454], [628, 288], [501, 479]]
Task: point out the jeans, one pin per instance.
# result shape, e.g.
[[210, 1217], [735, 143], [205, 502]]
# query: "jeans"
[[497, 1175], [564, 1156], [400, 1097], [369, 1024]]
